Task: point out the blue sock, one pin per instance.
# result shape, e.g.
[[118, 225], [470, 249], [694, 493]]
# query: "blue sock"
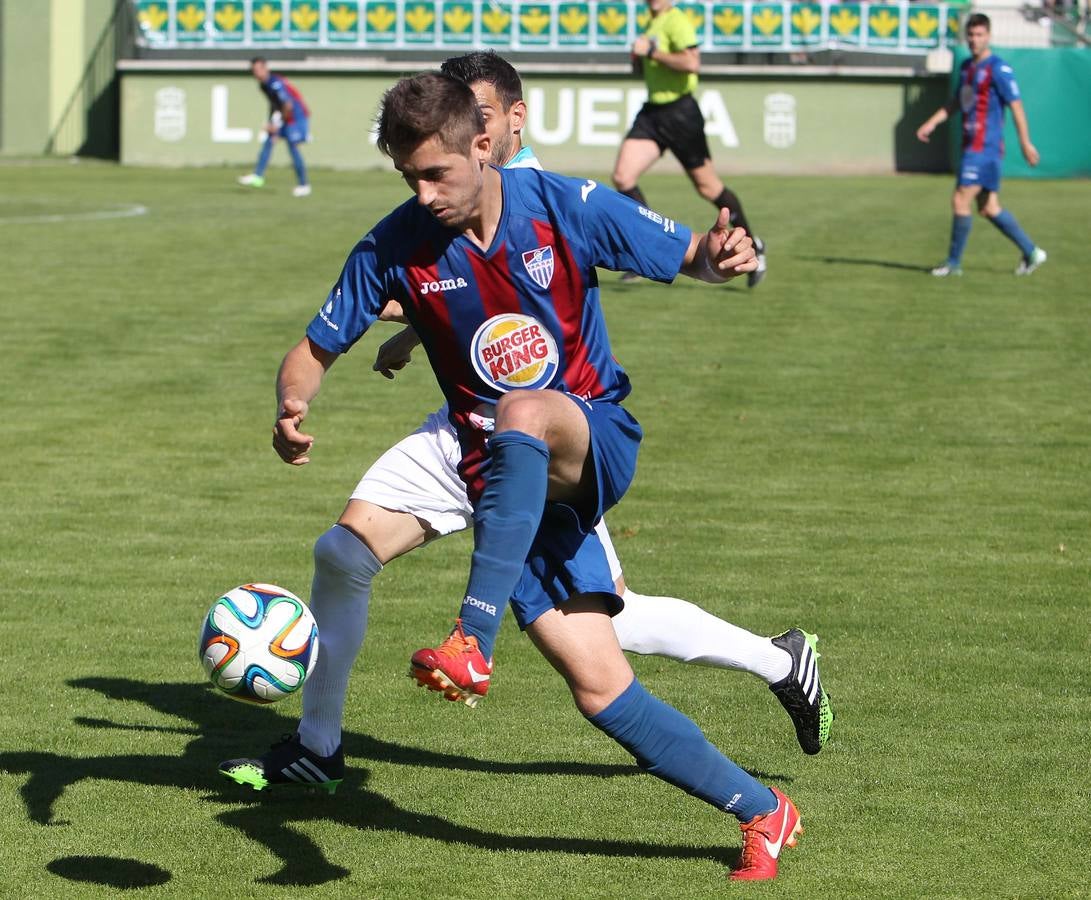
[[960, 233], [1005, 221], [505, 523], [670, 746], [263, 155], [297, 163]]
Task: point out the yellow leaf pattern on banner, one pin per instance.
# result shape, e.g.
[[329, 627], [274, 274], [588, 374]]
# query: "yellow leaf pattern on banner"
[[535, 20], [696, 17], [642, 19], [728, 21], [806, 20], [305, 17], [767, 21], [342, 18], [268, 17], [883, 22], [573, 20], [458, 19], [952, 25], [381, 17], [844, 21], [190, 17], [154, 17], [496, 20], [419, 18], [922, 24], [228, 17], [612, 20]]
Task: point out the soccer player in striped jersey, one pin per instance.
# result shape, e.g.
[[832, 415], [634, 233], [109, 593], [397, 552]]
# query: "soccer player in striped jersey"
[[986, 87], [495, 269], [289, 119]]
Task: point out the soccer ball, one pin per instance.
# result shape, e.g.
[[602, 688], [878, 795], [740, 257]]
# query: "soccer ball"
[[259, 643]]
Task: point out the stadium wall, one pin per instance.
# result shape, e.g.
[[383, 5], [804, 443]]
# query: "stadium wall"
[[57, 77], [759, 120]]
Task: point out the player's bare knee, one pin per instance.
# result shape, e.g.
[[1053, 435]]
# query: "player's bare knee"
[[521, 411]]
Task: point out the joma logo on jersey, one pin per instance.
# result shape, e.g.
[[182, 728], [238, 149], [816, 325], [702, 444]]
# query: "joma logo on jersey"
[[444, 284], [514, 351]]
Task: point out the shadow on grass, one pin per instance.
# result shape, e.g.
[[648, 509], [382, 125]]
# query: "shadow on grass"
[[109, 871], [215, 730], [855, 261]]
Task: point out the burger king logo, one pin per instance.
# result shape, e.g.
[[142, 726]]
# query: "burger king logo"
[[514, 351]]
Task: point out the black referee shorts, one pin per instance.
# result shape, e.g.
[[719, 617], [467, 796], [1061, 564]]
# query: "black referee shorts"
[[677, 126]]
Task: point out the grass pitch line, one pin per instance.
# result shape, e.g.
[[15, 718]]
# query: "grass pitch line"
[[124, 212]]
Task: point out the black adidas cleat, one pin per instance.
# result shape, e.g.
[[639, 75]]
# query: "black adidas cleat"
[[801, 692], [288, 762]]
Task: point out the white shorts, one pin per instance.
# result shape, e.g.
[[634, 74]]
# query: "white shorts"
[[419, 476]]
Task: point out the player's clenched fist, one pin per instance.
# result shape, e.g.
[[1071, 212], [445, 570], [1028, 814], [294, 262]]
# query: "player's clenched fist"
[[291, 444]]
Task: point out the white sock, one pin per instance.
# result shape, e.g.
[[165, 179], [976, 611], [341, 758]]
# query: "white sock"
[[343, 569], [678, 629]]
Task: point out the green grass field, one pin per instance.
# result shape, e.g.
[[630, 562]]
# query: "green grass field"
[[899, 463]]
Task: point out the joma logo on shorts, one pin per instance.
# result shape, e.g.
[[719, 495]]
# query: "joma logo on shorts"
[[445, 284]]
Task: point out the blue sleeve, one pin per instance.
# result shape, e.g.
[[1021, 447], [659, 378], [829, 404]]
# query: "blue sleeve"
[[624, 236], [277, 87], [355, 300], [1006, 86]]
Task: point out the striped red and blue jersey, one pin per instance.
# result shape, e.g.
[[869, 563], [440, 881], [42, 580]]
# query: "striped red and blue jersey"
[[281, 92], [985, 90], [523, 314]]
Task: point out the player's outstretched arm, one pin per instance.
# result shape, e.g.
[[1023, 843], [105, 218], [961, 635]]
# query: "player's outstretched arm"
[[298, 381], [1019, 119], [396, 353], [721, 254], [933, 122]]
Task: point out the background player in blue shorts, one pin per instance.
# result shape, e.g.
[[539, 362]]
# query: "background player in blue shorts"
[[495, 270], [289, 118], [986, 88]]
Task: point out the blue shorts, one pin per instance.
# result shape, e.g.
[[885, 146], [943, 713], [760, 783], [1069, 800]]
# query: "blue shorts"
[[980, 169], [566, 557], [296, 132]]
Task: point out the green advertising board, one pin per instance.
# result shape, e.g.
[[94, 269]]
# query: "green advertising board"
[[458, 21], [806, 20], [381, 17], [419, 21], [303, 21], [728, 20], [535, 24], [496, 24], [612, 24], [190, 21], [766, 24], [574, 24], [883, 26], [847, 24], [228, 21], [924, 28], [342, 23], [267, 22]]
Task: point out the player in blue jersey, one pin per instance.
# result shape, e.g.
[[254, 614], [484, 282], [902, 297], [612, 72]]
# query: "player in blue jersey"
[[495, 270], [289, 119], [986, 87]]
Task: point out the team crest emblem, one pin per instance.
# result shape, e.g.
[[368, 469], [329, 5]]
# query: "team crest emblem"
[[514, 351], [539, 265]]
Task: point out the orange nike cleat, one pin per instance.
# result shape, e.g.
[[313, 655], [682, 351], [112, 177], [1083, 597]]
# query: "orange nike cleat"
[[456, 668], [763, 837]]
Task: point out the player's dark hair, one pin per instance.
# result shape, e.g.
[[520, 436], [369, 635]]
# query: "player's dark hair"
[[258, 59], [486, 65], [430, 104], [979, 20]]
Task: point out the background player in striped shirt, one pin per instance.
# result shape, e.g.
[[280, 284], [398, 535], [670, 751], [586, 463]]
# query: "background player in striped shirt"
[[495, 269], [289, 118], [986, 87]]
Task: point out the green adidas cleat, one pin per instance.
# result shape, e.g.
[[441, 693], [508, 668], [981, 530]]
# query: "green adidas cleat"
[[288, 762], [251, 180], [801, 692]]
